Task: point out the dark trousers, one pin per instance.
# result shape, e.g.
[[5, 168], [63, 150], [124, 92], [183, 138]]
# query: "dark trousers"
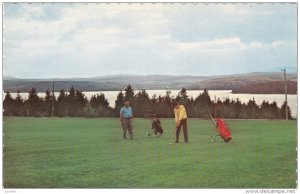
[[183, 123], [127, 126]]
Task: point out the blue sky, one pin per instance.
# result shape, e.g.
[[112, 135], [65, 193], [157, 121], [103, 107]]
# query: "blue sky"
[[85, 40]]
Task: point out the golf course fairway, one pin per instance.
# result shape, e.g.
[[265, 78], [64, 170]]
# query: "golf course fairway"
[[91, 153]]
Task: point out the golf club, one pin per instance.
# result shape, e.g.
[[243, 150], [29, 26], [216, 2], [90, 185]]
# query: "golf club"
[[173, 135], [213, 120]]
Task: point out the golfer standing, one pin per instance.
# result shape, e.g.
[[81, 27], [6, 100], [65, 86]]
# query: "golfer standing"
[[181, 121], [126, 119]]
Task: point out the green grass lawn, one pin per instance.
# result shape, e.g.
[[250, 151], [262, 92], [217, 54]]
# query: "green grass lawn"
[[91, 153]]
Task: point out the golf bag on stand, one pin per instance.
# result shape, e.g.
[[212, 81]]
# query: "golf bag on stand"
[[156, 128], [222, 129]]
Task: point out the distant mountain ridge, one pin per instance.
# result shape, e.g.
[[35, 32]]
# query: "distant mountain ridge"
[[268, 88], [119, 82]]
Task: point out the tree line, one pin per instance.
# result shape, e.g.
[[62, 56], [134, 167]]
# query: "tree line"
[[75, 104]]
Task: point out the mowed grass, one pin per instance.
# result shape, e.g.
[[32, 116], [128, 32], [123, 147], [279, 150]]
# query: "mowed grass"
[[90, 153]]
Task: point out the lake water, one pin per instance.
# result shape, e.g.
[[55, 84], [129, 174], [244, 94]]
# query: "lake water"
[[111, 96]]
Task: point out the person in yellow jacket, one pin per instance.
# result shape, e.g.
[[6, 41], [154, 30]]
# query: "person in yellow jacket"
[[181, 121]]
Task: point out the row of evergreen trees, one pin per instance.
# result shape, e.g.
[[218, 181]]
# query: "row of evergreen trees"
[[74, 103]]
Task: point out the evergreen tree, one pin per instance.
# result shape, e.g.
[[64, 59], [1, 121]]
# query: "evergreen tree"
[[19, 105], [129, 95], [153, 105], [182, 97], [79, 102], [61, 105], [274, 110], [202, 104], [169, 109], [164, 106], [244, 114], [94, 102], [100, 105], [282, 111], [252, 109], [8, 105], [99, 100], [48, 102], [141, 104], [237, 108], [153, 99], [34, 103], [119, 103], [265, 110], [72, 106]]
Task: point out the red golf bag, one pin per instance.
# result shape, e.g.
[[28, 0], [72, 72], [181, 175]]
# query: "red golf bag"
[[223, 130]]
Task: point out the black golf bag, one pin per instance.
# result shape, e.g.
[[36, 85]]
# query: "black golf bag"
[[156, 126]]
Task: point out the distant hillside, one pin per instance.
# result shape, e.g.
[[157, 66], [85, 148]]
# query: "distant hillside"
[[118, 82], [268, 88], [103, 83], [239, 82]]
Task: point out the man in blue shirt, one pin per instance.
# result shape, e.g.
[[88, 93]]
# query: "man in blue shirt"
[[126, 118]]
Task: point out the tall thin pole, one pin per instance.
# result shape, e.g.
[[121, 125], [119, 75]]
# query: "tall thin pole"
[[285, 90], [53, 98], [215, 107]]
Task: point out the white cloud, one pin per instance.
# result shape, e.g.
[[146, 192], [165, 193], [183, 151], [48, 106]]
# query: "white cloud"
[[280, 43], [256, 44], [232, 9], [226, 43], [268, 13], [272, 45], [156, 35]]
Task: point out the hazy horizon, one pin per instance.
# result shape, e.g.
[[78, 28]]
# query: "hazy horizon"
[[113, 75], [82, 40]]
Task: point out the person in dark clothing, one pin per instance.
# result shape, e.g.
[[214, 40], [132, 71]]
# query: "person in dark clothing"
[[156, 126]]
